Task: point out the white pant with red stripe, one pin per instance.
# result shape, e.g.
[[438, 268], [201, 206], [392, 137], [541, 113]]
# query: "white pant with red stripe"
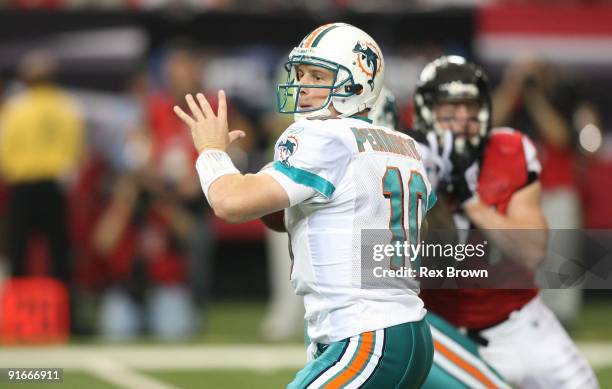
[[532, 350]]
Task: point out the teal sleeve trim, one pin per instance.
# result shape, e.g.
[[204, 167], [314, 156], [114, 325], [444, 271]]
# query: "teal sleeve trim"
[[303, 177], [431, 201]]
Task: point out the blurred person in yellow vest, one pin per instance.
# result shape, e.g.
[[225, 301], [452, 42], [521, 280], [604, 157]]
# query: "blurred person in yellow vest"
[[41, 136]]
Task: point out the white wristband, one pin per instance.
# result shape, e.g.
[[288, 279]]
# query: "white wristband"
[[212, 164]]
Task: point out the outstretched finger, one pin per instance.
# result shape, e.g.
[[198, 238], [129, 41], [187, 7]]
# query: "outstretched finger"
[[235, 135], [195, 110], [222, 111], [184, 117], [206, 108]]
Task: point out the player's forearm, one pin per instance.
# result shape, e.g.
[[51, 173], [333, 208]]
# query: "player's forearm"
[[524, 241], [237, 198], [225, 195]]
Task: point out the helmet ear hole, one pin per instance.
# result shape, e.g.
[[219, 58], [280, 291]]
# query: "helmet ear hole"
[[355, 88]]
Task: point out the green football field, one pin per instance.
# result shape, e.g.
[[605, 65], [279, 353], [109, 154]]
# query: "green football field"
[[229, 354]]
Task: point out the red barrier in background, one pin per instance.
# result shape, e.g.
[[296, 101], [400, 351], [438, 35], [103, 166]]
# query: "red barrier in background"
[[34, 310]]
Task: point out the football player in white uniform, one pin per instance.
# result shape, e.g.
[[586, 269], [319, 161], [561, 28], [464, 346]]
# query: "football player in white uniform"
[[336, 174]]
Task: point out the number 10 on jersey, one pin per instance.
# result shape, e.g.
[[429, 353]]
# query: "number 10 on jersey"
[[393, 190]]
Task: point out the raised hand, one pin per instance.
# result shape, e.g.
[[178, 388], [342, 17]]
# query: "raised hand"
[[209, 131]]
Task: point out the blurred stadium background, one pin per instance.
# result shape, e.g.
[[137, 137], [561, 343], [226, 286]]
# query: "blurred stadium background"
[[160, 293]]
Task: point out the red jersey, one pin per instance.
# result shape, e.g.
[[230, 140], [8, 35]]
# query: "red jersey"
[[508, 165]]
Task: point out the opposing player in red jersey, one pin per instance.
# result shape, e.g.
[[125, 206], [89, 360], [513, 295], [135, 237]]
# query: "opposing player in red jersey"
[[493, 176]]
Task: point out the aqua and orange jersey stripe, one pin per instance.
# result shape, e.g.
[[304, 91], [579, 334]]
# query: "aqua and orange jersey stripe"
[[357, 364], [463, 364]]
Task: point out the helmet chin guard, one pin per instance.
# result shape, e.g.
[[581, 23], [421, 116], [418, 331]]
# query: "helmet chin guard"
[[312, 114], [356, 61]]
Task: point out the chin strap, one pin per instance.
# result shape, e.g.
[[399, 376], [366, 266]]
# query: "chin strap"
[[306, 115]]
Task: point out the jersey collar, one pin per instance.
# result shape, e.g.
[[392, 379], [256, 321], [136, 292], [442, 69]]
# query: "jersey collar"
[[365, 119]]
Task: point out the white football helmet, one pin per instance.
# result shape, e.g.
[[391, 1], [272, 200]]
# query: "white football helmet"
[[356, 61]]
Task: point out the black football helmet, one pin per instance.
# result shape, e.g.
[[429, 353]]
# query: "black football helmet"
[[453, 79]]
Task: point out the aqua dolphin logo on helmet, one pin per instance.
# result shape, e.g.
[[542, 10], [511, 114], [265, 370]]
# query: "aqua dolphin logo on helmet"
[[368, 60], [357, 65]]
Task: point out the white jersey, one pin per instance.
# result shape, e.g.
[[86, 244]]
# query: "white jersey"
[[343, 176]]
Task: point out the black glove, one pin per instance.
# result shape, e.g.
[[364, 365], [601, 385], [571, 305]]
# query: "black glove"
[[464, 177]]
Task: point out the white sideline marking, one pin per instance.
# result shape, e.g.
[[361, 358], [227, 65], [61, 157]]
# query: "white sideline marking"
[[599, 354], [202, 357], [157, 357], [115, 373]]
